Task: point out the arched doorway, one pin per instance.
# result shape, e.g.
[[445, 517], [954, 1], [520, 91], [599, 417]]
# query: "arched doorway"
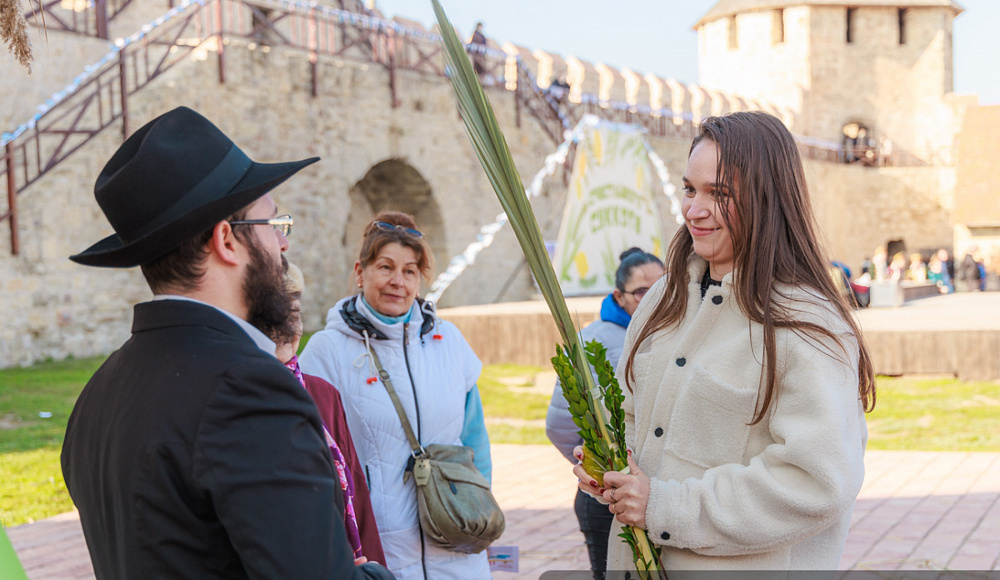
[[395, 185]]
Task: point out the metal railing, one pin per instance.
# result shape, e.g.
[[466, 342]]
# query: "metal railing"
[[87, 17], [96, 99]]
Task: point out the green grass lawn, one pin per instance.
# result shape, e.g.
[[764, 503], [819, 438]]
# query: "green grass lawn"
[[939, 414], [935, 415], [515, 413], [31, 482]]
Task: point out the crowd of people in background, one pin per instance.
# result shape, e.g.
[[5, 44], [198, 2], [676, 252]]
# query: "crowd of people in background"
[[977, 271]]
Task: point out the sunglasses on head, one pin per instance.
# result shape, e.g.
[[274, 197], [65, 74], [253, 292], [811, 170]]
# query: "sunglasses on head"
[[387, 227]]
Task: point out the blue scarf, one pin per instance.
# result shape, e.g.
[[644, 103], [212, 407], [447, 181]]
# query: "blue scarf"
[[612, 312], [389, 319]]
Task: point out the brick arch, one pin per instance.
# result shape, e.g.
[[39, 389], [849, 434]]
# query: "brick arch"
[[394, 184]]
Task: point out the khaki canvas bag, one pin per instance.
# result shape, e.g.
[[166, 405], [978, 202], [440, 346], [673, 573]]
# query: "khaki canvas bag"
[[457, 509]]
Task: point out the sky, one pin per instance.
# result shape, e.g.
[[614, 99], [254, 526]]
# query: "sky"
[[656, 35]]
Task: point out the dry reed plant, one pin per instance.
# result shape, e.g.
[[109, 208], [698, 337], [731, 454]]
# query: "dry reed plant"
[[14, 31]]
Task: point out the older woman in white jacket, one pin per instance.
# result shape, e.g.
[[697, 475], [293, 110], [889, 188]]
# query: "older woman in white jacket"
[[434, 373], [747, 377]]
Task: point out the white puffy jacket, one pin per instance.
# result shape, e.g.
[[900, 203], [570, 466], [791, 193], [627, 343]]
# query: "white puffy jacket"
[[432, 372]]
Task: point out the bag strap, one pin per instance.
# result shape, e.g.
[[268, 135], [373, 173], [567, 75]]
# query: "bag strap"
[[415, 446]]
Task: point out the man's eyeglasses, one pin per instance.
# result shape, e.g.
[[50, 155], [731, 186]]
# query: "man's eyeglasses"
[[282, 223], [638, 292], [387, 227]]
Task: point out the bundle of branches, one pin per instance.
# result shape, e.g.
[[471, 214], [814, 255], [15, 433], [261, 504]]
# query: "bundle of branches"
[[601, 453], [605, 449], [13, 31], [604, 439]]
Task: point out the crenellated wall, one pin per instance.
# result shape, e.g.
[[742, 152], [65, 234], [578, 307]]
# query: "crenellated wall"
[[662, 96]]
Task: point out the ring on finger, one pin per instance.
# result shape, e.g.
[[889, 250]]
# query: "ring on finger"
[[613, 495]]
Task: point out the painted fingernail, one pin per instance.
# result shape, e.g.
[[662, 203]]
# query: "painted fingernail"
[[593, 484], [602, 490], [579, 455], [630, 452]]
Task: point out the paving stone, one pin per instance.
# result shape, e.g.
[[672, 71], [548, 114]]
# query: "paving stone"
[[897, 523]]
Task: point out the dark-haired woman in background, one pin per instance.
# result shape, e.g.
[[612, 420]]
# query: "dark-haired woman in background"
[[746, 378], [636, 274]]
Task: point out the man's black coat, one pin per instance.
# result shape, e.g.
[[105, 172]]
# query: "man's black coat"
[[191, 453]]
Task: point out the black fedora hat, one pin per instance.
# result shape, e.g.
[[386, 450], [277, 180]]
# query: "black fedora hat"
[[170, 181]]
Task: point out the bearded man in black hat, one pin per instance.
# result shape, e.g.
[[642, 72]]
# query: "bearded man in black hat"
[[192, 452]]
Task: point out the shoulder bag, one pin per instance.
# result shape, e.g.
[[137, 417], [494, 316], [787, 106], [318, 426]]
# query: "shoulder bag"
[[457, 510]]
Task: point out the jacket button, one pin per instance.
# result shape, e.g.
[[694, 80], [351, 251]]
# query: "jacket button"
[[665, 536], [717, 299], [681, 362], [658, 432]]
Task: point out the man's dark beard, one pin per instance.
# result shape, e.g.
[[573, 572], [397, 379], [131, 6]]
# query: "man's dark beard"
[[269, 306]]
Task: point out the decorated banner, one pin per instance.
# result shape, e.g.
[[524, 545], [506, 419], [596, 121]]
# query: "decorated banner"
[[609, 209], [488, 232]]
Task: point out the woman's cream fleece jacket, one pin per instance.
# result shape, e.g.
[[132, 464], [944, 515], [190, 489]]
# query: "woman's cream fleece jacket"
[[724, 494]]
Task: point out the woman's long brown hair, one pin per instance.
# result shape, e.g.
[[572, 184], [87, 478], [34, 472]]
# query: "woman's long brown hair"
[[774, 242]]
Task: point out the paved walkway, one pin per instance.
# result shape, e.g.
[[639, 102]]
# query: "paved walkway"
[[917, 510]]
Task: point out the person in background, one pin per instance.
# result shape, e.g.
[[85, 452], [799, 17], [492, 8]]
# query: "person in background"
[[968, 276], [937, 272], [880, 264], [746, 377], [949, 264], [898, 267], [477, 45], [433, 371], [359, 519], [637, 272], [840, 273], [866, 267], [917, 272]]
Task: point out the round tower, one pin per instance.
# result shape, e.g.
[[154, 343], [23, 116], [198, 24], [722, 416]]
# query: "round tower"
[[875, 73]]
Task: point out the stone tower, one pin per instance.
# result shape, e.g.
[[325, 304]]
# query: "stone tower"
[[881, 65]]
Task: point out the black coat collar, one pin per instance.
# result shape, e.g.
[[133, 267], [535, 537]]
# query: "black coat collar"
[[157, 314]]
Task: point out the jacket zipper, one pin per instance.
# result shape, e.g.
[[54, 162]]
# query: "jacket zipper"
[[413, 387]]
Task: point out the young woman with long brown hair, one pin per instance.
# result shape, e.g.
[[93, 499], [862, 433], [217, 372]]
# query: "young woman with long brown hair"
[[747, 376]]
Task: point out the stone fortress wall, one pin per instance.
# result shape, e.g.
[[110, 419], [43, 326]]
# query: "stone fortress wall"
[[54, 308], [800, 57]]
